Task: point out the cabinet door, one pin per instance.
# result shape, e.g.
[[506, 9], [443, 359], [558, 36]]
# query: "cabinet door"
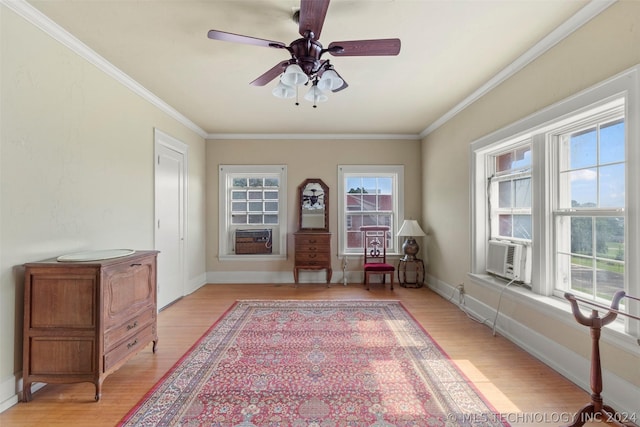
[[128, 289]]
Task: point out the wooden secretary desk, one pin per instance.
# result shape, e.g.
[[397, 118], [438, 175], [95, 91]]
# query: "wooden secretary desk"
[[313, 239]]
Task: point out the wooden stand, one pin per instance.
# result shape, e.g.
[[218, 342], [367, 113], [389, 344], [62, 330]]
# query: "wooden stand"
[[596, 410]]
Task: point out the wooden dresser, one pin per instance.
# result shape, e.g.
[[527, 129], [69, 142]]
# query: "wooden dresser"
[[313, 252], [83, 320]]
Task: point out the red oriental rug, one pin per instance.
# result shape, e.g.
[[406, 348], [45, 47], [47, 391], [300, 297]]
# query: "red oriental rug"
[[314, 364]]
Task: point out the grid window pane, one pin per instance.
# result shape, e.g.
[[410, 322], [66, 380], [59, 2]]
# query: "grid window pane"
[[612, 188], [255, 219], [522, 190], [255, 207], [238, 219], [271, 206], [506, 225], [612, 142], [584, 188], [504, 198], [522, 226], [238, 207], [583, 149]]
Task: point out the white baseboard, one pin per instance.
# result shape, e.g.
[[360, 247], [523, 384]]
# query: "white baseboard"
[[305, 276], [617, 392], [196, 283], [8, 393]]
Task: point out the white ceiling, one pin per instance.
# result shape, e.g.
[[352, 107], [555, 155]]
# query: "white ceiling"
[[451, 51]]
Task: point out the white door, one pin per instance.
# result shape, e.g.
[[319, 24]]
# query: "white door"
[[170, 192]]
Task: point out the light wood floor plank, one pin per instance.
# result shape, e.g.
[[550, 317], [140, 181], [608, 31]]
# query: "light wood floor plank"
[[514, 382]]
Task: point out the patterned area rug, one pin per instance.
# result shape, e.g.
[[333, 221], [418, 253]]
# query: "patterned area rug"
[[314, 364]]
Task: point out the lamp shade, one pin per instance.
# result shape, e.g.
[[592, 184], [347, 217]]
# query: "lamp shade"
[[294, 76], [315, 95], [330, 80], [410, 228], [283, 91]]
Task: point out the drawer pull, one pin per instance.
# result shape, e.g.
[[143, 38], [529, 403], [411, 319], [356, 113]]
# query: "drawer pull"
[[135, 265], [313, 255], [132, 325], [131, 344], [312, 241]]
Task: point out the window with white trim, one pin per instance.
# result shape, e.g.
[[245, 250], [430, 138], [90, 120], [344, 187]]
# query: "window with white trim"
[[510, 194], [565, 181], [368, 195], [589, 211], [253, 198]]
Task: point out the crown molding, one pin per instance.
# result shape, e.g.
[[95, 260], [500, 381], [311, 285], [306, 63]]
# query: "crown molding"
[[313, 136], [584, 15], [41, 21]]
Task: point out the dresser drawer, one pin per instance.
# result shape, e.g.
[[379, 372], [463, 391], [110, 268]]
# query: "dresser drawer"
[[128, 328], [313, 248], [131, 345], [305, 239], [312, 258]]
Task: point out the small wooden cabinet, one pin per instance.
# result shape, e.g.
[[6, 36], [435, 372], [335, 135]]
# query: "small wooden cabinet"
[[313, 252], [83, 320]]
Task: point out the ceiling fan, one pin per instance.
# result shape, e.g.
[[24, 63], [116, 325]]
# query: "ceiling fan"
[[306, 63]]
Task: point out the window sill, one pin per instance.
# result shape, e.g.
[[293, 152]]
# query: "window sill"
[[558, 309]]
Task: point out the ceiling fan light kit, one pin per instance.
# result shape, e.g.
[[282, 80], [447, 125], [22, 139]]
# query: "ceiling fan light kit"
[[305, 64]]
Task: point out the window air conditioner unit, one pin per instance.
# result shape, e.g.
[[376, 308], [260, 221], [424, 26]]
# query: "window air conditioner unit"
[[509, 260]]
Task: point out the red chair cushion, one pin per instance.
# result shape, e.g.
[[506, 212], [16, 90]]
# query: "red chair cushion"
[[378, 266]]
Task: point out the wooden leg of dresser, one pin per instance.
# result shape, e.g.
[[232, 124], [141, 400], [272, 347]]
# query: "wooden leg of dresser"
[[26, 391]]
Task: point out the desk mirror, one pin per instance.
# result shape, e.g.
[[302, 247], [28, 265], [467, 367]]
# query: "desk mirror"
[[314, 205]]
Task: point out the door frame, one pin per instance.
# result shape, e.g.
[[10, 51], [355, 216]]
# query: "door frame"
[[167, 141]]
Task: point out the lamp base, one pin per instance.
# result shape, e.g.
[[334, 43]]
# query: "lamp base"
[[410, 248]]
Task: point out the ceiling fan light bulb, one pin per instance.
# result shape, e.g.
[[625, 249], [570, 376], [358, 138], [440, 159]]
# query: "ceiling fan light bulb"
[[315, 95], [294, 76], [330, 80], [283, 91]]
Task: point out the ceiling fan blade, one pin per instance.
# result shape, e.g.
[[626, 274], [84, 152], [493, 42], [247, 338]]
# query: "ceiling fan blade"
[[312, 14], [271, 74], [237, 38], [377, 47]]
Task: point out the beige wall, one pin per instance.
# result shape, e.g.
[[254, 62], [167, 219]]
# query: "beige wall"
[[602, 48], [306, 159], [76, 167]]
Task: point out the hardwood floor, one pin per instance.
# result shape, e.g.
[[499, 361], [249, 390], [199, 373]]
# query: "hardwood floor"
[[517, 385]]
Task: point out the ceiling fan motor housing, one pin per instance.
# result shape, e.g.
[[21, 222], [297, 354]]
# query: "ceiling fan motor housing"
[[307, 53]]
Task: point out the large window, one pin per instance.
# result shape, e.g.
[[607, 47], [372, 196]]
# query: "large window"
[[590, 206], [252, 199], [564, 182], [368, 195]]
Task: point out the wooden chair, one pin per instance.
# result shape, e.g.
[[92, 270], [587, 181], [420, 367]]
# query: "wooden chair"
[[374, 240]]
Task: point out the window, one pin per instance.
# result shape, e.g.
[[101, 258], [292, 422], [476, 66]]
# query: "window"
[[589, 215], [564, 181], [368, 195], [510, 194], [252, 197]]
